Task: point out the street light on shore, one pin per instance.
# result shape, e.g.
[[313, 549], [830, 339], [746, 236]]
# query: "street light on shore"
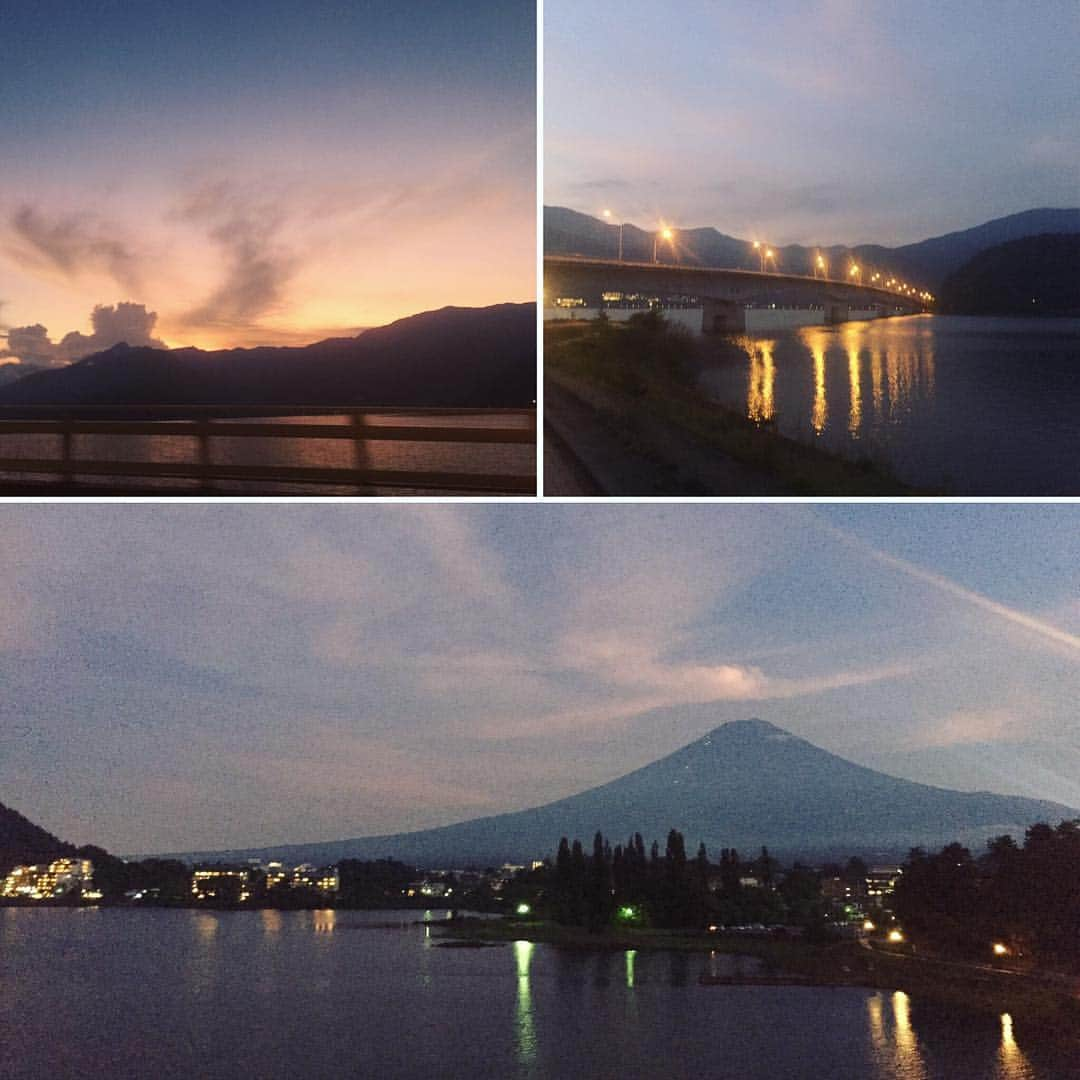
[[822, 266], [761, 254], [770, 254], [607, 217], [664, 234]]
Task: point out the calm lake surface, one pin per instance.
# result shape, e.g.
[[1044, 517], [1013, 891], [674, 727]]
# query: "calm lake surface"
[[490, 458], [976, 406], [130, 993]]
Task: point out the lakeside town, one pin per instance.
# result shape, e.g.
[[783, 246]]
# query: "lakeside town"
[[621, 889]]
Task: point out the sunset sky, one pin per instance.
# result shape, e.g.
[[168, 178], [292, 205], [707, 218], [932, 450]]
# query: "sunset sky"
[[264, 171], [812, 121], [199, 677]]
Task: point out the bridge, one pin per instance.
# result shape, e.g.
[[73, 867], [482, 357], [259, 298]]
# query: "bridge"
[[729, 300]]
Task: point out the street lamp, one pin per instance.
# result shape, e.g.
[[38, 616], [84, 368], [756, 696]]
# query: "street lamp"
[[607, 216], [822, 266], [663, 234], [770, 254], [855, 272], [761, 254]]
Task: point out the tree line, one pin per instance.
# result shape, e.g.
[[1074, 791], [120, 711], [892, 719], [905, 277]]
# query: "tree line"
[[631, 885], [1025, 897]]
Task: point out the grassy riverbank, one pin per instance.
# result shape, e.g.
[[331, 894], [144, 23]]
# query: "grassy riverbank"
[[1052, 1011], [640, 379]]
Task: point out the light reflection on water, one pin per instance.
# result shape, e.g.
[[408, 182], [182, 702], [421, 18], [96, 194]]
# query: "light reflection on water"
[[1012, 1062], [280, 994], [526, 1031], [759, 402], [975, 406]]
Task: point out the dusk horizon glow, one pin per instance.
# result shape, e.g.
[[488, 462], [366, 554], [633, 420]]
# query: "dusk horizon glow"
[[816, 122], [262, 173], [385, 669]]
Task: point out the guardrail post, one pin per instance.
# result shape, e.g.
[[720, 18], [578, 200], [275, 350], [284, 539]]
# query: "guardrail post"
[[361, 457], [67, 459], [203, 428]]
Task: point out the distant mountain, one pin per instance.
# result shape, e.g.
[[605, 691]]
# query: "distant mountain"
[[454, 357], [926, 263], [21, 841], [10, 373], [745, 784], [1038, 275]]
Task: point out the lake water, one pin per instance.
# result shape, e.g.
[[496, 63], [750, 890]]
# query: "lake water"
[[489, 458], [144, 993], [975, 406]]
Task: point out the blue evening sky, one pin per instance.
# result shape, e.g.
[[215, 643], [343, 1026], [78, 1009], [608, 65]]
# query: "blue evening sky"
[[196, 677], [813, 121]]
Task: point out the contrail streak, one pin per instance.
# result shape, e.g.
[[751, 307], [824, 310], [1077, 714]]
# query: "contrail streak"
[[938, 581]]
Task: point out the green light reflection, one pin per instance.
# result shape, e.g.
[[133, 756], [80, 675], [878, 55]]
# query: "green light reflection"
[[525, 1027]]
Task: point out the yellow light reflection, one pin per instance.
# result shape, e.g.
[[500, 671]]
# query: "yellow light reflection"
[[877, 362], [909, 1055], [1013, 1062], [855, 410], [324, 920], [877, 1022], [820, 414], [760, 404], [207, 926], [271, 920], [526, 1029]]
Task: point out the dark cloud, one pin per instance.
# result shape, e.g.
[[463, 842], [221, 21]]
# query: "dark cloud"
[[257, 270], [30, 345], [72, 244], [112, 324]]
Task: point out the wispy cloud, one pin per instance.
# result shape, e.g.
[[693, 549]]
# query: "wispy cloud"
[[73, 244], [258, 268]]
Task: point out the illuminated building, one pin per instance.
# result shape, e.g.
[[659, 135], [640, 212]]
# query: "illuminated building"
[[881, 882], [329, 881], [276, 875], [220, 883], [304, 876], [62, 877]]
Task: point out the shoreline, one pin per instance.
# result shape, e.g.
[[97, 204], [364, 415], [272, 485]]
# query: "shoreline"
[[651, 431], [1054, 1012]]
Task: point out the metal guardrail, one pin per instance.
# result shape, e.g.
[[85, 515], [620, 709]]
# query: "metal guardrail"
[[204, 424]]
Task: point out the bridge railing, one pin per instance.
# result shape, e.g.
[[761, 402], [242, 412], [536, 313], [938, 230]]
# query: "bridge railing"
[[154, 460]]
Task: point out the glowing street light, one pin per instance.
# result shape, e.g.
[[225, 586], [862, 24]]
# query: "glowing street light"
[[760, 249], [821, 265], [770, 254], [1000, 949], [607, 217], [895, 936], [523, 909], [664, 234], [868, 925], [855, 272]]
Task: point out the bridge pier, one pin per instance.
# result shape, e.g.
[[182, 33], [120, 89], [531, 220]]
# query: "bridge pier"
[[722, 317]]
